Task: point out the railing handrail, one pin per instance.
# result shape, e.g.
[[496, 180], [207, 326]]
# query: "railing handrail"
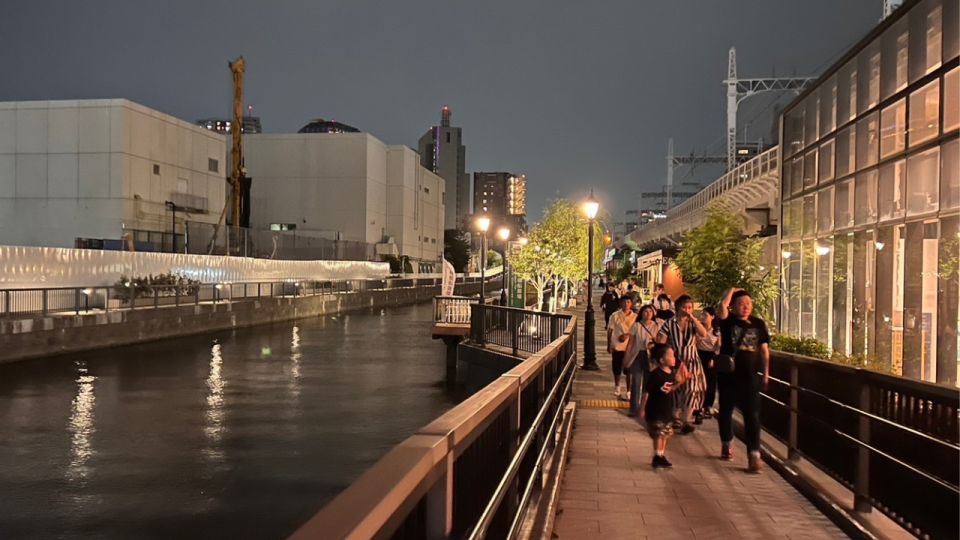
[[382, 497]]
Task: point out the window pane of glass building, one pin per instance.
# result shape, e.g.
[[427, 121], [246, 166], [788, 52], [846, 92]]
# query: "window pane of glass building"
[[894, 59], [846, 151], [951, 100], [865, 211], [893, 178], [797, 175], [948, 310], [809, 214], [893, 129], [950, 175], [869, 71], [842, 292], [825, 209], [889, 345], [825, 161], [920, 300], [864, 307], [810, 169], [793, 132], [843, 205], [867, 141], [807, 287], [791, 269], [847, 93], [824, 278], [951, 31], [923, 182], [811, 116], [924, 113], [828, 106], [925, 38]]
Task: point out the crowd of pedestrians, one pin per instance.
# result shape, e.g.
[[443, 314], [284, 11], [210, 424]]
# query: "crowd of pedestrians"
[[671, 364]]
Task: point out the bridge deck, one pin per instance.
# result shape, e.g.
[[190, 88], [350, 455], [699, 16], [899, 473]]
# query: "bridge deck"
[[610, 491]]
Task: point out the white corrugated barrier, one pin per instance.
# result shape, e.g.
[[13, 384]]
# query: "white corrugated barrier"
[[24, 267]]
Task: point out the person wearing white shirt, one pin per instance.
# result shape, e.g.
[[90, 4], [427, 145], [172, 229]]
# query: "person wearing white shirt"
[[642, 338], [618, 339]]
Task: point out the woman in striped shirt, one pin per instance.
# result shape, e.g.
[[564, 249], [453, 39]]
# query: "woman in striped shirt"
[[681, 333]]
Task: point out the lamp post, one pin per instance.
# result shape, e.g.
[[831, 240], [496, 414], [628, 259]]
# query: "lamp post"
[[483, 224], [503, 233], [590, 207]]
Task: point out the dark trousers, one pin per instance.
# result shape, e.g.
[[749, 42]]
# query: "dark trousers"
[[606, 318], [741, 392], [617, 362], [711, 375]]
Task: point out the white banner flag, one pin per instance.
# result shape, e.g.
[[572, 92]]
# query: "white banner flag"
[[449, 279]]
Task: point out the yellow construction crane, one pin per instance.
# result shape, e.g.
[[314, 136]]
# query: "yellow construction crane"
[[237, 68]]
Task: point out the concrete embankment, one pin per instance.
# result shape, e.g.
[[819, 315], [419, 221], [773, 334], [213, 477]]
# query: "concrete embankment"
[[21, 339]]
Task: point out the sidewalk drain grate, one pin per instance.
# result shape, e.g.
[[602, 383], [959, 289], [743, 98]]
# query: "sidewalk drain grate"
[[603, 404]]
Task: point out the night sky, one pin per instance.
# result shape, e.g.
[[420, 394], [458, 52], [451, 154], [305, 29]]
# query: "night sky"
[[574, 94]]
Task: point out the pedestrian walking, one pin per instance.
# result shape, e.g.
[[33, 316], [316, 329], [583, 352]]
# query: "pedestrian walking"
[[609, 303], [707, 348], [634, 296], [618, 336], [642, 338], [681, 333], [657, 405], [664, 306], [744, 355]]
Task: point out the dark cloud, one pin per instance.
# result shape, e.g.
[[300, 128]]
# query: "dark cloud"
[[574, 94]]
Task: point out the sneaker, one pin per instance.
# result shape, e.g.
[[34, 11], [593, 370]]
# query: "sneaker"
[[754, 463], [687, 429], [698, 418], [707, 413], [726, 453], [616, 392], [660, 462]]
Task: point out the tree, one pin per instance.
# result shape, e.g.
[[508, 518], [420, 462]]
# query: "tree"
[[557, 249], [456, 249], [494, 259], [717, 256]]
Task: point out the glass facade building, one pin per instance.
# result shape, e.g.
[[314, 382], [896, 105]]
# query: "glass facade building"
[[871, 198]]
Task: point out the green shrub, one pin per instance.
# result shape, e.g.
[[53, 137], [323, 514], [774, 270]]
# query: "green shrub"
[[802, 346], [818, 349], [164, 284]]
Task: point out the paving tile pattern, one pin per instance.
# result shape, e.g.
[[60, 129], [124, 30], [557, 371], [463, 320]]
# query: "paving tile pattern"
[[610, 491]]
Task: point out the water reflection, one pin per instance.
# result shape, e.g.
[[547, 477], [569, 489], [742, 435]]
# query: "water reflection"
[[295, 357], [81, 426], [213, 425]]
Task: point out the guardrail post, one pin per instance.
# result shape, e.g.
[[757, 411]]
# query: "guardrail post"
[[196, 296], [512, 324], [793, 453], [176, 296], [106, 300], [6, 301], [44, 295], [861, 478], [76, 301], [156, 299]]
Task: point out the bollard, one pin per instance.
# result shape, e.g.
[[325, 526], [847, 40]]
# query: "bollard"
[[512, 325]]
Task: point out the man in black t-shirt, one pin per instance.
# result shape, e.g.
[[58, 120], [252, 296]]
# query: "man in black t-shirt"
[[745, 338], [610, 303]]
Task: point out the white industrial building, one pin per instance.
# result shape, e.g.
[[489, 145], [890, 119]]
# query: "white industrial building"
[[81, 172], [347, 186]]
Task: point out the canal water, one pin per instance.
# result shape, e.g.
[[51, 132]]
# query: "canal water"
[[239, 434]]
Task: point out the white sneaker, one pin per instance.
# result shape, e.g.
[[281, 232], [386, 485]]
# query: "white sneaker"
[[616, 391]]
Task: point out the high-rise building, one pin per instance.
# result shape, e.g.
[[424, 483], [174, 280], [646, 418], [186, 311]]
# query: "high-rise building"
[[503, 197], [442, 151]]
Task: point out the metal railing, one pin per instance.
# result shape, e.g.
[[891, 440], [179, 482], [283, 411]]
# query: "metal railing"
[[76, 300], [469, 473], [517, 329], [893, 441], [453, 309], [753, 179]]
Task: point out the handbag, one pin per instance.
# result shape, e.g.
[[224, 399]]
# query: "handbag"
[[727, 363]]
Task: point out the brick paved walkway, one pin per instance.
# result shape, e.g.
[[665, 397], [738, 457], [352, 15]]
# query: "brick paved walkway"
[[610, 491]]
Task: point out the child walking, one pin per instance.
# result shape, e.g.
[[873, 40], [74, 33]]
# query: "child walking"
[[657, 405]]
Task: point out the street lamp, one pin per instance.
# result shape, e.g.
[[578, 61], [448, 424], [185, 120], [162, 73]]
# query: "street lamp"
[[590, 207], [503, 233], [483, 224]]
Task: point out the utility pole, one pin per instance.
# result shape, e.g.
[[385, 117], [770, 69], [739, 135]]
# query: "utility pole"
[[740, 89], [237, 69]]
